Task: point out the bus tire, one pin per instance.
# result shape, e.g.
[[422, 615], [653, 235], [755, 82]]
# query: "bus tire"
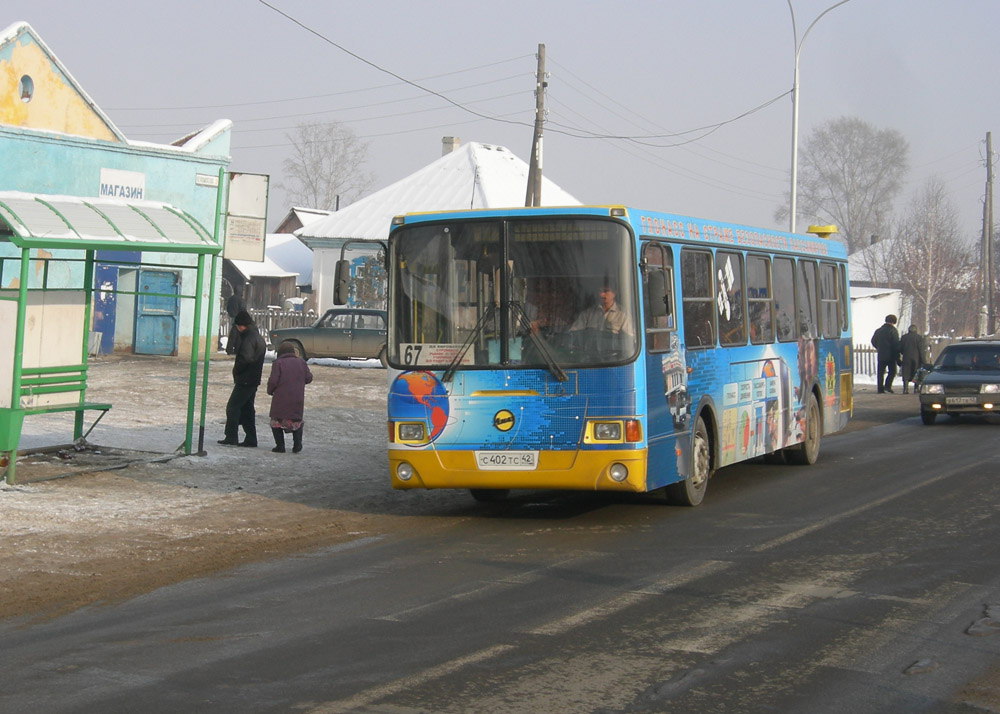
[[489, 495], [691, 491], [807, 452]]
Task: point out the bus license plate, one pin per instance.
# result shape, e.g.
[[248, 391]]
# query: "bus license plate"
[[507, 460], [961, 400]]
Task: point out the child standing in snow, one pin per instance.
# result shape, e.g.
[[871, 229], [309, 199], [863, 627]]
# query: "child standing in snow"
[[287, 387]]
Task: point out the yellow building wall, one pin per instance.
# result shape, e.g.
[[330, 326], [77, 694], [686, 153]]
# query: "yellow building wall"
[[56, 105]]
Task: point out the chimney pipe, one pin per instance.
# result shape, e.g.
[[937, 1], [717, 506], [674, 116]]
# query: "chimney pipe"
[[448, 144]]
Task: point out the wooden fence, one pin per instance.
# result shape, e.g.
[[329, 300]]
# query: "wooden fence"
[[267, 320]]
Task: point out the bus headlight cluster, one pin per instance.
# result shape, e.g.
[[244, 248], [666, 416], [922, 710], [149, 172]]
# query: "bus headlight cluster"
[[404, 472], [614, 431]]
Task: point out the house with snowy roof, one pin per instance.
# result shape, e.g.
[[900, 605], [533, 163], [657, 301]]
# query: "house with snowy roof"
[[469, 176]]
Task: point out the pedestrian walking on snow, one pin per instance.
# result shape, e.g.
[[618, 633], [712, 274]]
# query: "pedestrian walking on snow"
[[287, 386], [886, 341], [247, 369]]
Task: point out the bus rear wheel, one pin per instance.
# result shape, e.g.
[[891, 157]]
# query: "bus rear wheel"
[[807, 452], [691, 491]]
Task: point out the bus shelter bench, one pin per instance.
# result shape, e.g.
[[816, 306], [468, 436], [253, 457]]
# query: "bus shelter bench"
[[62, 379], [79, 409]]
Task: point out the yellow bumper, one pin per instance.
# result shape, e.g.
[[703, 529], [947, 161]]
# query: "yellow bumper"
[[572, 470]]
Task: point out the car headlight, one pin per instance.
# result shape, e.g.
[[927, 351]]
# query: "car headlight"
[[932, 388], [989, 389]]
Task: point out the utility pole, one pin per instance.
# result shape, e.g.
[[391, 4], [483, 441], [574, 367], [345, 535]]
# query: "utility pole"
[[533, 197], [987, 244]]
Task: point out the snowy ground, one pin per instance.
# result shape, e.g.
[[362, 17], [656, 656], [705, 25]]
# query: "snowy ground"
[[129, 515]]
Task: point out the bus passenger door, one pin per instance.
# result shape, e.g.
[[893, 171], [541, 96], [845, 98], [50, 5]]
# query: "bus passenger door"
[[666, 368]]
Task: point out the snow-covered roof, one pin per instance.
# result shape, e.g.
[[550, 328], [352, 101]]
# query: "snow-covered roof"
[[266, 268], [473, 176], [290, 254], [857, 292], [309, 215]]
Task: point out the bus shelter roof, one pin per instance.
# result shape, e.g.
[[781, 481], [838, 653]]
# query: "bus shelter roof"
[[50, 221]]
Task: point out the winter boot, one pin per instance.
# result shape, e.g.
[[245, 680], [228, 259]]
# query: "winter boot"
[[279, 441], [297, 440]]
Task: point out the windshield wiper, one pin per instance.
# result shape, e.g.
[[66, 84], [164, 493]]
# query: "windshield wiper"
[[540, 343], [473, 336]]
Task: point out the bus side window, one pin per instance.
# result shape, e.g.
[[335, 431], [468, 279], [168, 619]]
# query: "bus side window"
[[697, 290], [784, 299], [829, 300], [805, 298], [759, 296], [658, 295], [732, 322]]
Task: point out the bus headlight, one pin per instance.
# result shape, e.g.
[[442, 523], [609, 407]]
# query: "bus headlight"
[[618, 472], [608, 431], [410, 431], [404, 472]]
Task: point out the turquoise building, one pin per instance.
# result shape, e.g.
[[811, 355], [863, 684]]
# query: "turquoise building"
[[55, 141]]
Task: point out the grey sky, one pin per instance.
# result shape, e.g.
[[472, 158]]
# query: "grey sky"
[[923, 67]]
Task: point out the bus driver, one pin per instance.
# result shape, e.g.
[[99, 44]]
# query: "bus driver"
[[607, 314]]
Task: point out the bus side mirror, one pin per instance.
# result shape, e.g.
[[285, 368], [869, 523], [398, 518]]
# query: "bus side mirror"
[[342, 282], [658, 298]]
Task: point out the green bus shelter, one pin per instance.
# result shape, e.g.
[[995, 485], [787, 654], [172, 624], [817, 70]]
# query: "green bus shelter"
[[48, 245]]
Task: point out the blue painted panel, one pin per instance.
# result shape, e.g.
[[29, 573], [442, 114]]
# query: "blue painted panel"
[[156, 316], [105, 284]]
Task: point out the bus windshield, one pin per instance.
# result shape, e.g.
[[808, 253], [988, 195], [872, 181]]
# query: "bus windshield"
[[542, 293]]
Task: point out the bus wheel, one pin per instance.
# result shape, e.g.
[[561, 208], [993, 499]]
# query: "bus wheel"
[[489, 495], [691, 491], [807, 452]]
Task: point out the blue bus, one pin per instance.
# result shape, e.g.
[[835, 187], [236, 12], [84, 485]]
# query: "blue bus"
[[608, 348]]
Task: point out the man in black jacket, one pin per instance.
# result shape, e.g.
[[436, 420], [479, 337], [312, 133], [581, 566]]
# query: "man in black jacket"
[[247, 369], [886, 341]]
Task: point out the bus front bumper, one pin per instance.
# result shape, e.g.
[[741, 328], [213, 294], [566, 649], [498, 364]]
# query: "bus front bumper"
[[597, 470]]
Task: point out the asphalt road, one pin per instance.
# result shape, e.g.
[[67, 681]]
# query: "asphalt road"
[[865, 583]]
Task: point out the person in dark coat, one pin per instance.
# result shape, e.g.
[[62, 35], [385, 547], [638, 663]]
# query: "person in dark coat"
[[914, 351], [886, 341], [234, 306], [287, 386], [247, 370]]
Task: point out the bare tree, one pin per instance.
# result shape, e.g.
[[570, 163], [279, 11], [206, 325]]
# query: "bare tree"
[[849, 175], [327, 162], [932, 262]]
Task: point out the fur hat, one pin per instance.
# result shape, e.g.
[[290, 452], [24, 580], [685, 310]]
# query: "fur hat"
[[243, 318]]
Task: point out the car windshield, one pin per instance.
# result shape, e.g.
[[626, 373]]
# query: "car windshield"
[[534, 293], [970, 357]]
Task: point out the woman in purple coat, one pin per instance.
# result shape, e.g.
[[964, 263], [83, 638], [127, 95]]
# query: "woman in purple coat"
[[287, 387]]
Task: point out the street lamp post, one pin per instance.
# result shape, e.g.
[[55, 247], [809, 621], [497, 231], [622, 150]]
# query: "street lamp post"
[[795, 104]]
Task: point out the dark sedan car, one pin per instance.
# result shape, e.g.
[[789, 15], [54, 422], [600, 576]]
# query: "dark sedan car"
[[343, 333], [965, 379]]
